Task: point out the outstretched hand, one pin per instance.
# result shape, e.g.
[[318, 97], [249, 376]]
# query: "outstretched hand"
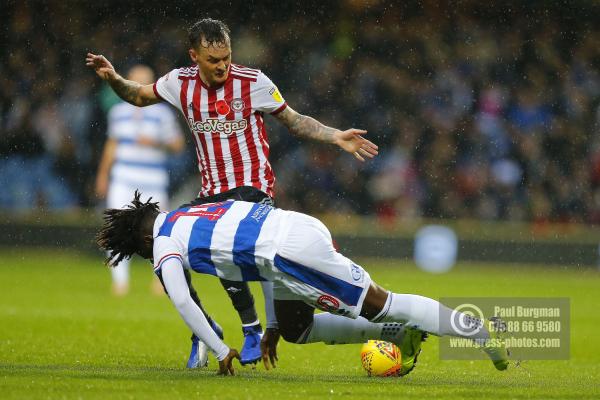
[[101, 65], [352, 141], [268, 347], [226, 364]]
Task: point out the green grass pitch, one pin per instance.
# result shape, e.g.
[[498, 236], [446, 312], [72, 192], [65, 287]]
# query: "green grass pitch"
[[63, 336]]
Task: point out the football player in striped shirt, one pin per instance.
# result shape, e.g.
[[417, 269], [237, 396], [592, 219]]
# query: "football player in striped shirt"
[[244, 241], [223, 104]]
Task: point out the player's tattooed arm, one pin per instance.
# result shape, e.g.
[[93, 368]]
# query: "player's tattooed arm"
[[130, 91], [133, 92], [306, 126], [350, 140]]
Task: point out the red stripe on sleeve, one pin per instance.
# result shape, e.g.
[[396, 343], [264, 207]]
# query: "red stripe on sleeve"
[[280, 109], [166, 257], [156, 92]]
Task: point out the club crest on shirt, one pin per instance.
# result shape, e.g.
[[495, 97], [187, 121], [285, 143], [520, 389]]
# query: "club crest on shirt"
[[237, 105], [356, 273]]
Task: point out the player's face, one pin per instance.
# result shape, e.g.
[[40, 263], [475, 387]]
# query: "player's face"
[[213, 61], [146, 248]]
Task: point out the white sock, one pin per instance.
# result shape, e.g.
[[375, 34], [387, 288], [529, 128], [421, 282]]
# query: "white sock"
[[120, 273], [335, 329], [429, 315]]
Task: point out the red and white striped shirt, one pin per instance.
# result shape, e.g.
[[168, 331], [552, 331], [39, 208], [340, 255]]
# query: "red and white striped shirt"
[[227, 125]]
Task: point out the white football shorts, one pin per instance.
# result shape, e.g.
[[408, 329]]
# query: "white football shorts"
[[307, 267], [120, 194]]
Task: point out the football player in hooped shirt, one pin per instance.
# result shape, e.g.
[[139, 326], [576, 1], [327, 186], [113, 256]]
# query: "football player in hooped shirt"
[[244, 241], [223, 104]]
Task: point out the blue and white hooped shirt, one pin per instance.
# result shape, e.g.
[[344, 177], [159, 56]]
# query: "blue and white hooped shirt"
[[136, 165], [202, 238]]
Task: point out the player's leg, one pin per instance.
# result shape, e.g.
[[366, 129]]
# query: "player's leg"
[[118, 196], [298, 324], [295, 318], [120, 278], [308, 255], [431, 316], [349, 290], [243, 302], [311, 270]]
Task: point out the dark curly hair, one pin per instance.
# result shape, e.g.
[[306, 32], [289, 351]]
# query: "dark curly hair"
[[121, 233], [215, 32]]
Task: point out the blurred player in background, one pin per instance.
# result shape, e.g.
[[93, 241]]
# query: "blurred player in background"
[[135, 158], [223, 104]]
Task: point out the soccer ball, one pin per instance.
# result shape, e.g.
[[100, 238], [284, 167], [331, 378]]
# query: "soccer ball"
[[381, 358]]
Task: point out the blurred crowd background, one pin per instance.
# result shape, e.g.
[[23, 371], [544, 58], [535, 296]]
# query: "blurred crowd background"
[[480, 111]]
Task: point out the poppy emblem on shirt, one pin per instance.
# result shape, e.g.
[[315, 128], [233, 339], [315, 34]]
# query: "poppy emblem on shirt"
[[237, 105], [222, 107]]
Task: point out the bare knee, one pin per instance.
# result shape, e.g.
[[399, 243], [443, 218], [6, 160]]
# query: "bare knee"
[[374, 301]]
